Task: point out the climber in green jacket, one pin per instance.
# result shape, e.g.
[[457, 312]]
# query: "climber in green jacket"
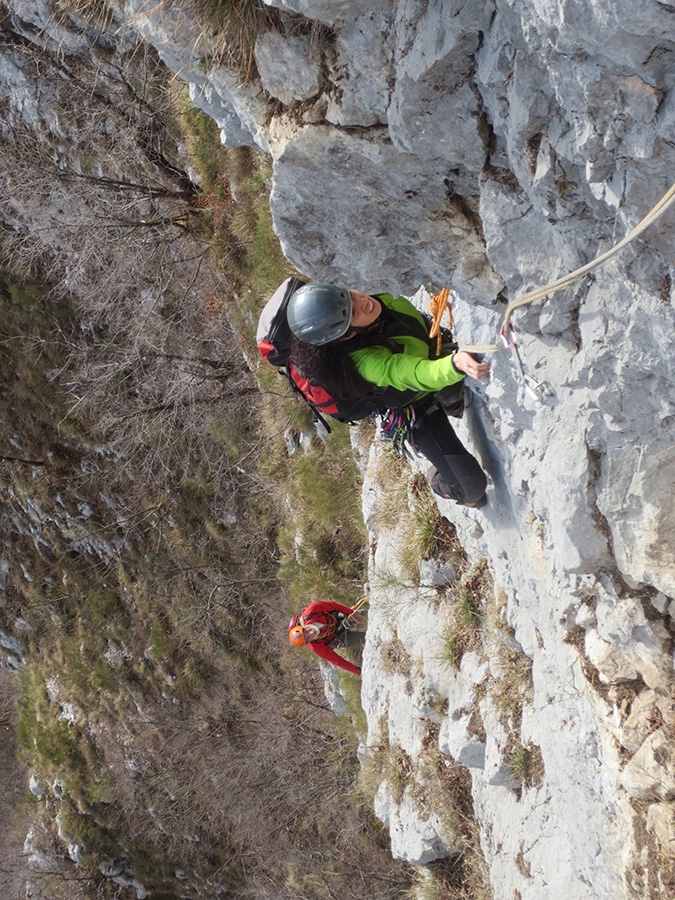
[[355, 344]]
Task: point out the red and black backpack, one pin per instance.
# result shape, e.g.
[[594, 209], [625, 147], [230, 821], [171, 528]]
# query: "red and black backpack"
[[274, 338]]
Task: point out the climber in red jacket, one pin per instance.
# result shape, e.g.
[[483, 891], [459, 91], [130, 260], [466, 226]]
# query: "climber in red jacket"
[[326, 626]]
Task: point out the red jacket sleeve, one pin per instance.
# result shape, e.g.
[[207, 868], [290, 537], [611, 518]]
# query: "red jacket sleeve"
[[325, 652]]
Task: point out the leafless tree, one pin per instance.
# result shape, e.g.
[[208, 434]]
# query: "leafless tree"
[[112, 222]]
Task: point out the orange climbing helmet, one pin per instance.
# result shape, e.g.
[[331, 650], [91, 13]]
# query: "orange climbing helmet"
[[295, 632]]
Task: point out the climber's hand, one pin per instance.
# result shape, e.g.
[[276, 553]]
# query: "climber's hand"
[[465, 362]]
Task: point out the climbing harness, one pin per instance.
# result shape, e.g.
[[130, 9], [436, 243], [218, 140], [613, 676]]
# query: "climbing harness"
[[396, 426], [348, 623], [664, 203]]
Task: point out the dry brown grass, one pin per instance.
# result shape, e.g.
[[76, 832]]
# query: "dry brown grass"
[[513, 688], [527, 764], [464, 875], [395, 658], [465, 623], [14, 813], [392, 477], [406, 506]]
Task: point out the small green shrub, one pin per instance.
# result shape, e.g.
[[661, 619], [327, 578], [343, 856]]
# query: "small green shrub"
[[97, 841], [104, 678], [101, 606], [161, 641]]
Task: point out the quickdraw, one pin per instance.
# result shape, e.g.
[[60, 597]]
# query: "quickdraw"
[[396, 426], [537, 390]]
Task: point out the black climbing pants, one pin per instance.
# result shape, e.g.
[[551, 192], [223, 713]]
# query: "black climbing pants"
[[458, 475], [350, 639]]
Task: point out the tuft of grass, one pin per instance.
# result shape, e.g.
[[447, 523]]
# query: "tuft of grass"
[[407, 506], [392, 477], [425, 524], [460, 876], [462, 630], [400, 774], [527, 764], [518, 762], [452, 649], [233, 26], [448, 792], [96, 12], [468, 609], [466, 622], [391, 764]]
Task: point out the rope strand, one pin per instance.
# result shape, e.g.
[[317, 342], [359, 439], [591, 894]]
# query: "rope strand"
[[664, 203]]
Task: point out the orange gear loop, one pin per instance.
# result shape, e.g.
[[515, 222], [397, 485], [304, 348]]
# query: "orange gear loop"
[[437, 306]]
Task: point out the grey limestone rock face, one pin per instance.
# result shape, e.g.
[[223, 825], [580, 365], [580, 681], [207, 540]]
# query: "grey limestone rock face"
[[331, 12], [361, 72], [289, 69], [649, 774], [436, 106], [377, 183]]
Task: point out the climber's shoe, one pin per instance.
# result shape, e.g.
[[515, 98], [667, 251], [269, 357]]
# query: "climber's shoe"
[[475, 504]]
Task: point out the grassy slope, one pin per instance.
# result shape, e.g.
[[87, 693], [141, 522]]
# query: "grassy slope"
[[158, 688]]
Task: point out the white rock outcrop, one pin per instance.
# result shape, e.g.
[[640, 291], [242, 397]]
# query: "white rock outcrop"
[[289, 67], [601, 712]]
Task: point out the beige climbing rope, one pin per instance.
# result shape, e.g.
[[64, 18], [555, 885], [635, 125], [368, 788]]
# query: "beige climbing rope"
[[664, 203], [357, 606], [359, 603]]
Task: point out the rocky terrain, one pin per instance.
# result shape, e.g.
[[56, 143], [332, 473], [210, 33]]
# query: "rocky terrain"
[[493, 148]]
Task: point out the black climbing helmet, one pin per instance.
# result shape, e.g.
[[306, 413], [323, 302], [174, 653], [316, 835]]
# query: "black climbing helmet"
[[319, 313]]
